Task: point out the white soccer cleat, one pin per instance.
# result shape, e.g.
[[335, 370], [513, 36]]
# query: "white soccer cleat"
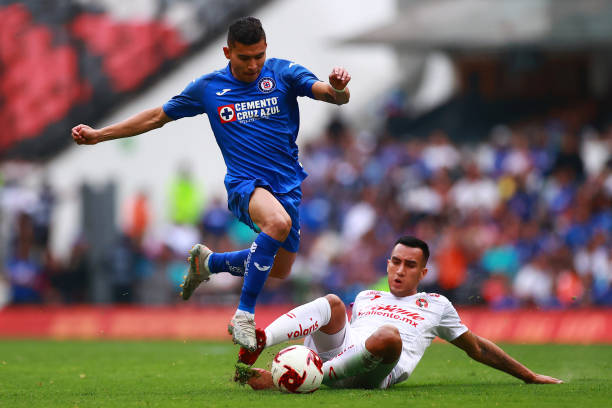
[[198, 269], [242, 329]]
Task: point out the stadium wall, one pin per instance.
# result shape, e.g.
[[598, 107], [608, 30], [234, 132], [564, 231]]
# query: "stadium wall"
[[579, 326]]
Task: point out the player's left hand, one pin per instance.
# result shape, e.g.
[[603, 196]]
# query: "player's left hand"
[[544, 379], [339, 78]]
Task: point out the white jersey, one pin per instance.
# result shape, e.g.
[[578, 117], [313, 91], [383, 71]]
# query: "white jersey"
[[419, 319]]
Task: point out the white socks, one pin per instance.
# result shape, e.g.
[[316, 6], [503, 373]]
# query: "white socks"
[[299, 322], [350, 363]]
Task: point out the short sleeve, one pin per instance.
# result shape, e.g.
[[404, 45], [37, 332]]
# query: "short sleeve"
[[450, 326], [300, 79], [188, 103]]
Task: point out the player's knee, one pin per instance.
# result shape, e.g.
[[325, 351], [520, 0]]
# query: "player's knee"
[[335, 302], [338, 315], [385, 342], [338, 310], [279, 226]]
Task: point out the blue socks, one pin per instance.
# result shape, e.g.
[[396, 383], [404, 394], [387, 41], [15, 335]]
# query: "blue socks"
[[258, 265], [232, 262], [254, 264]]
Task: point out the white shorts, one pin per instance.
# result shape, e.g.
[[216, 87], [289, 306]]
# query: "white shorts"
[[330, 346]]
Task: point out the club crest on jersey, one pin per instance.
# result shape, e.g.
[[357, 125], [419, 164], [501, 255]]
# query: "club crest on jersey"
[[420, 302], [227, 113], [266, 84]]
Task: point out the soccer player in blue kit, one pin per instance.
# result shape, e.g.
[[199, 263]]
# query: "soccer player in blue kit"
[[253, 111]]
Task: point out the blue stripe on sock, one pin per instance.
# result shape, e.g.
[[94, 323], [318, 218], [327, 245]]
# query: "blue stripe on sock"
[[232, 262], [258, 266]]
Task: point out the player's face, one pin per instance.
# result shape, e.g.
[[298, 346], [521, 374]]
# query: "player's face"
[[246, 61], [405, 269]]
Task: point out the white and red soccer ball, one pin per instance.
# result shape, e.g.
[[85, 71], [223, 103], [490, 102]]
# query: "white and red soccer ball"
[[297, 369]]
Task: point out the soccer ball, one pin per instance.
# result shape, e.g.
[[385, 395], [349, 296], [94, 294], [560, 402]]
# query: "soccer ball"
[[297, 369]]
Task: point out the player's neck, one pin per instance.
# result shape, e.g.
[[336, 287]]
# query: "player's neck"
[[237, 77]]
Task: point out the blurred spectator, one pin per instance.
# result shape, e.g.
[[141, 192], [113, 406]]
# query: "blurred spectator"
[[186, 198], [451, 263], [440, 153], [510, 222], [137, 216], [72, 280], [42, 213], [24, 266], [534, 283], [568, 158], [474, 192], [155, 285], [594, 266], [123, 270]]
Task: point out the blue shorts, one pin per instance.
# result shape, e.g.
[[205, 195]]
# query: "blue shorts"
[[238, 197]]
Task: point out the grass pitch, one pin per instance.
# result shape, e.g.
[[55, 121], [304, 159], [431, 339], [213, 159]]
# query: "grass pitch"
[[199, 374]]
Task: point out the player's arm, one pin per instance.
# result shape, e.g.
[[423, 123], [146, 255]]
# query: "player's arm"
[[487, 352], [335, 91], [140, 123]]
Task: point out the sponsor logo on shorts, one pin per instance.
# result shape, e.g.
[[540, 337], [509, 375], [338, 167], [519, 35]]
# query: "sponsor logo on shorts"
[[266, 84]]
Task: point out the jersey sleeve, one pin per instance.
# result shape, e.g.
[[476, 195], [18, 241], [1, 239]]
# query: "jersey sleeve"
[[188, 103], [300, 79], [450, 326]]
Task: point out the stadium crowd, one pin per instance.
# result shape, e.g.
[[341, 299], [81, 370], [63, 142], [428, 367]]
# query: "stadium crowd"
[[521, 219]]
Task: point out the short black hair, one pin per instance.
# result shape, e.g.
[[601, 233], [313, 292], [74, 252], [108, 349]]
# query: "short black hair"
[[414, 242], [245, 30]]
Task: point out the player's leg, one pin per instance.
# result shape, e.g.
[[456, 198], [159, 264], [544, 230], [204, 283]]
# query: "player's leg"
[[282, 263], [367, 366], [275, 224], [322, 319], [203, 263], [234, 262]]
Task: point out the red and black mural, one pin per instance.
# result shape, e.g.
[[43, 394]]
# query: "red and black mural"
[[69, 62]]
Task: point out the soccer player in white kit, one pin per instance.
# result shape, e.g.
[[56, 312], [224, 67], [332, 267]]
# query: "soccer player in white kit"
[[387, 335]]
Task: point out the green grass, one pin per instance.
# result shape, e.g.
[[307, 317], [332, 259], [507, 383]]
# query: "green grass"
[[199, 374]]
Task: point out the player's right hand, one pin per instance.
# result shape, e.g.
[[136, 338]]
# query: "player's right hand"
[[83, 134]]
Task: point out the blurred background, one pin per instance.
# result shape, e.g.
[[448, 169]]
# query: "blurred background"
[[482, 127]]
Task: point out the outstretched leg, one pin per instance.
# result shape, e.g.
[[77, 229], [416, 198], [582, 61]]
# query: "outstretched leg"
[[326, 315], [203, 263]]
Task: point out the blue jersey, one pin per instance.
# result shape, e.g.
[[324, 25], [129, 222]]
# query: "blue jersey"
[[255, 124]]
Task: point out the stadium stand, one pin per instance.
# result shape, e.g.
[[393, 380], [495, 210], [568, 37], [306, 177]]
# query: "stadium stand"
[[521, 219], [71, 61], [513, 193]]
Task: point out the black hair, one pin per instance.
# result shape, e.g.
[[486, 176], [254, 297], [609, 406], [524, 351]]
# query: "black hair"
[[245, 30], [414, 242]]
